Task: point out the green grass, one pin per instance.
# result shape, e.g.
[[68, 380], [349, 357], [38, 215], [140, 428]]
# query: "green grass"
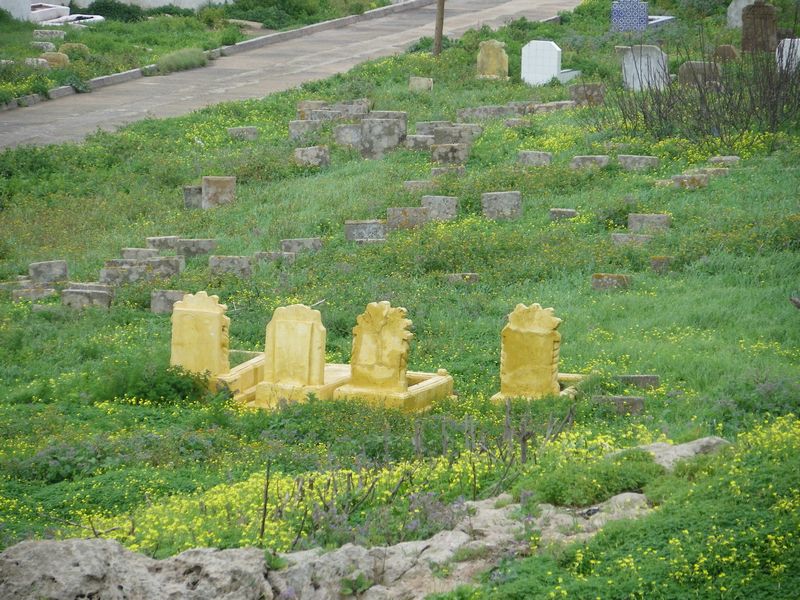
[[95, 429], [181, 60]]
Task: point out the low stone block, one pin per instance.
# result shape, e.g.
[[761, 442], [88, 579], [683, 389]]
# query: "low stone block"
[[502, 206], [326, 115], [419, 142], [93, 286], [139, 253], [284, 257], [464, 133], [55, 59], [643, 382], [441, 208], [123, 262], [724, 161], [610, 281], [395, 115], [406, 217], [624, 405], [633, 162], [163, 266], [164, 242], [249, 134], [713, 171], [420, 84], [37, 63], [49, 271], [44, 46], [162, 301], [301, 244], [534, 158], [348, 135], [218, 190], [451, 154], [482, 113], [639, 222], [699, 73], [445, 171], [313, 156], [379, 136], [60, 92], [49, 34], [301, 129], [304, 108], [419, 185], [456, 278], [195, 247], [724, 53], [353, 108], [81, 298], [193, 196], [240, 266], [586, 162], [428, 127], [690, 181], [561, 214], [29, 99], [588, 94], [122, 275], [660, 264], [355, 231], [548, 107], [630, 239], [31, 294]]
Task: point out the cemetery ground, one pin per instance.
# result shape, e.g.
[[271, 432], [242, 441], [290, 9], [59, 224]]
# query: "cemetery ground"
[[132, 38], [101, 438]]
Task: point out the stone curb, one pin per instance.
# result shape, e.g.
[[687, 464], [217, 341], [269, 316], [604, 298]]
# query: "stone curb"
[[251, 44]]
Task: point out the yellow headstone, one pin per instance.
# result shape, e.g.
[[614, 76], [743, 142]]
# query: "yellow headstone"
[[200, 334], [492, 60], [380, 348], [529, 353]]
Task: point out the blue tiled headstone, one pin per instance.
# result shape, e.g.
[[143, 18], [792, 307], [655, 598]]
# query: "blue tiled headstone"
[[628, 15]]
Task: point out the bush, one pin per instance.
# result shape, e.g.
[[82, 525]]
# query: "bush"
[[116, 11], [181, 60]]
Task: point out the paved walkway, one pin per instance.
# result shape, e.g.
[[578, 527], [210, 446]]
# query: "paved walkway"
[[255, 73]]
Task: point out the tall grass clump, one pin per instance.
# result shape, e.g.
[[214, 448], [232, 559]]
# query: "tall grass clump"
[[181, 60]]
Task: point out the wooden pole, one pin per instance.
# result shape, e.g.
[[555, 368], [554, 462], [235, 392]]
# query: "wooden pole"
[[437, 36]]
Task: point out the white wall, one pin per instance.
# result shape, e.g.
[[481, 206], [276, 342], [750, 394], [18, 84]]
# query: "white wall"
[[19, 9]]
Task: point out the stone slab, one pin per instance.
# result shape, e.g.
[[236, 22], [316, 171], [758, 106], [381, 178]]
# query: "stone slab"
[[31, 294], [534, 158], [301, 244], [164, 242], [218, 191], [690, 181], [312, 156], [300, 129], [560, 214], [610, 281], [640, 222], [630, 239], [445, 171], [501, 206], [418, 185], [419, 142], [450, 153], [240, 266], [428, 127], [49, 271], [162, 301], [587, 162], [355, 231], [348, 135], [441, 208], [283, 257], [420, 84], [139, 253], [249, 134], [406, 217], [193, 196], [642, 382], [633, 162], [80, 298], [624, 405], [195, 247]]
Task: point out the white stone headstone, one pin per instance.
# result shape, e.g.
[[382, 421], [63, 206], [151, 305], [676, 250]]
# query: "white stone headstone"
[[643, 67], [735, 9], [19, 9], [541, 61], [788, 54]]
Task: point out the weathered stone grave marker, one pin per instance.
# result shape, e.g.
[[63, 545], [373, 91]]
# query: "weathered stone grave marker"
[[502, 206], [759, 27], [643, 67], [541, 62], [492, 60]]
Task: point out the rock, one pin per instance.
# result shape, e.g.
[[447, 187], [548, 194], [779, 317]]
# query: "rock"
[[313, 156], [164, 242], [453, 154], [668, 455], [381, 135], [630, 239], [50, 271], [420, 84], [55, 59], [37, 63], [161, 301], [690, 181], [428, 127], [560, 214], [100, 568], [139, 253], [610, 281], [300, 129], [631, 162], [348, 135], [217, 191], [84, 298], [300, 244], [534, 158], [44, 46], [406, 217], [502, 206], [194, 247], [419, 142], [240, 266], [356, 231], [249, 134], [638, 222], [441, 208], [49, 34], [192, 196], [584, 162]]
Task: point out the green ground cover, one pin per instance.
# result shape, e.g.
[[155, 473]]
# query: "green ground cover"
[[98, 435], [132, 37]]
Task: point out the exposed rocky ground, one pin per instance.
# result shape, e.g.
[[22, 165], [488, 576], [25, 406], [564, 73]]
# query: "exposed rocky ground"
[[103, 569]]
